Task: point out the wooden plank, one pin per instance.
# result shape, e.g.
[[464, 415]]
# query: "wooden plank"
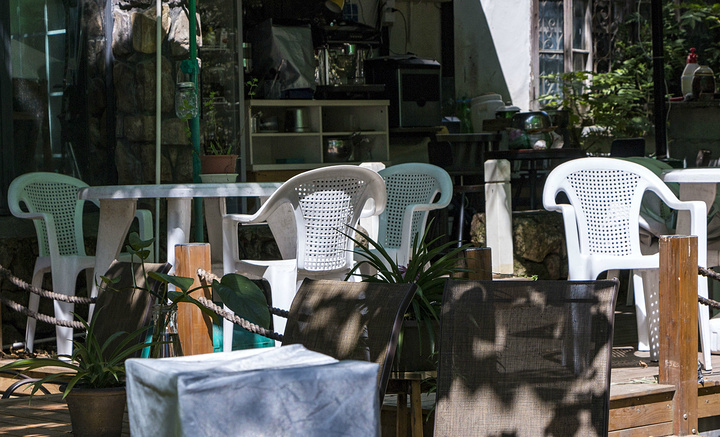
[[678, 328], [194, 327], [644, 431], [709, 401], [621, 392], [641, 411]]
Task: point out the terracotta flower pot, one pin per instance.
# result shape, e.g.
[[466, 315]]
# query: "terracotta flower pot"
[[96, 412], [218, 164]]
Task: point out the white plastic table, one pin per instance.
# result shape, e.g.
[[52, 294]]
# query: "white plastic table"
[[285, 391], [119, 202], [699, 184], [695, 184]]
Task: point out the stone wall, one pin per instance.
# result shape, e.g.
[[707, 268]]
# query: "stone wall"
[[538, 240], [115, 129], [134, 49]]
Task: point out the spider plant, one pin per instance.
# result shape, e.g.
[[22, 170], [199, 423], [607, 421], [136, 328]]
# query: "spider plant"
[[429, 266], [91, 365]]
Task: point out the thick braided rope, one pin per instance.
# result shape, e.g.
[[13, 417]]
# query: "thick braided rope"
[[44, 293], [709, 273], [206, 276], [248, 326], [41, 317]]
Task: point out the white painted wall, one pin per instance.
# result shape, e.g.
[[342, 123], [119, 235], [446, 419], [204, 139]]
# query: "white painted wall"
[[492, 49]]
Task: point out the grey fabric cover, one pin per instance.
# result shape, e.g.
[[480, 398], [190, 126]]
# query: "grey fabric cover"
[[287, 391], [525, 358]]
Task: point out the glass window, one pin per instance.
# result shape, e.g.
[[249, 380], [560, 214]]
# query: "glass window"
[[558, 22], [551, 41]]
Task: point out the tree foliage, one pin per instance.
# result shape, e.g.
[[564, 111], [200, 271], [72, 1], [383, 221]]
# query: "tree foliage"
[[619, 100]]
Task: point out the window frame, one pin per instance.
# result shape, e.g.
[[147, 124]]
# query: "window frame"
[[569, 52]]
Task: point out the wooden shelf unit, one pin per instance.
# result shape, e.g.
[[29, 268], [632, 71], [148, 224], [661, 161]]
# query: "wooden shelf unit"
[[281, 150]]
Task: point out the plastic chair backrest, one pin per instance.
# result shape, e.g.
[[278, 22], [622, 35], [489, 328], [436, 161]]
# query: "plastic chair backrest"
[[350, 321], [603, 217], [501, 369], [412, 190], [325, 201], [53, 198]]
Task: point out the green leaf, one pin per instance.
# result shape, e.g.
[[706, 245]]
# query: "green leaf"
[[180, 282], [244, 297], [137, 243]]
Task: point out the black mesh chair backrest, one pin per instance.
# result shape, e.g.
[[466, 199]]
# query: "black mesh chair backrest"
[[525, 358], [126, 305], [350, 321]]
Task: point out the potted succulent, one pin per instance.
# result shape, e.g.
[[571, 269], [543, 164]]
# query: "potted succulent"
[[429, 267]]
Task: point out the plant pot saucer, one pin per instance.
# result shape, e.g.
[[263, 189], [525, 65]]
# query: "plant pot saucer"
[[219, 178]]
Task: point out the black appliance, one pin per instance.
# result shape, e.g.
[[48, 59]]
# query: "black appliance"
[[412, 85]]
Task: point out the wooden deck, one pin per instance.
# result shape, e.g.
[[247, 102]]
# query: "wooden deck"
[[639, 406], [45, 415]]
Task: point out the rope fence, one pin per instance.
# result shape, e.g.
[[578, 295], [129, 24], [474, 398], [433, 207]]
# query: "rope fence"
[[204, 276], [709, 273]]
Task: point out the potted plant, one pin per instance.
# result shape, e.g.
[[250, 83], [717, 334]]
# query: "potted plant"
[[219, 157], [429, 267], [94, 375], [93, 379]]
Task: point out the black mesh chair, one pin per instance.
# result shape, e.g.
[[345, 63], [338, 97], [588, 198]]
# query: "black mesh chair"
[[350, 321], [507, 364], [127, 304]]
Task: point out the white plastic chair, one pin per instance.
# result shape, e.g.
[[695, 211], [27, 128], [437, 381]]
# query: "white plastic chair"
[[324, 202], [370, 223], [412, 191], [602, 224], [50, 199]]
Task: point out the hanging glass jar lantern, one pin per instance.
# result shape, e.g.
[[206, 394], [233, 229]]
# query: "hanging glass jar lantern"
[[186, 100]]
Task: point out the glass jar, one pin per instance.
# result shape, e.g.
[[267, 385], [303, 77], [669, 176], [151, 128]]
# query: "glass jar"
[[165, 332], [186, 100]]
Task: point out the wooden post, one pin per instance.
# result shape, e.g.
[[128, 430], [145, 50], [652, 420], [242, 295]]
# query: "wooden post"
[[479, 262], [194, 327], [678, 308]]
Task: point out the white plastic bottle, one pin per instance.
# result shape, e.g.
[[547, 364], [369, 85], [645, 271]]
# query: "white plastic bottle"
[[687, 75]]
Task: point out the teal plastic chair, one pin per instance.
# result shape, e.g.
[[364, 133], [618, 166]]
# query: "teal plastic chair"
[[51, 201]]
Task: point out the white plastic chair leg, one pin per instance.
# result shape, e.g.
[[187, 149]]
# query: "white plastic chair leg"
[[704, 324], [64, 283], [42, 266], [643, 329]]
